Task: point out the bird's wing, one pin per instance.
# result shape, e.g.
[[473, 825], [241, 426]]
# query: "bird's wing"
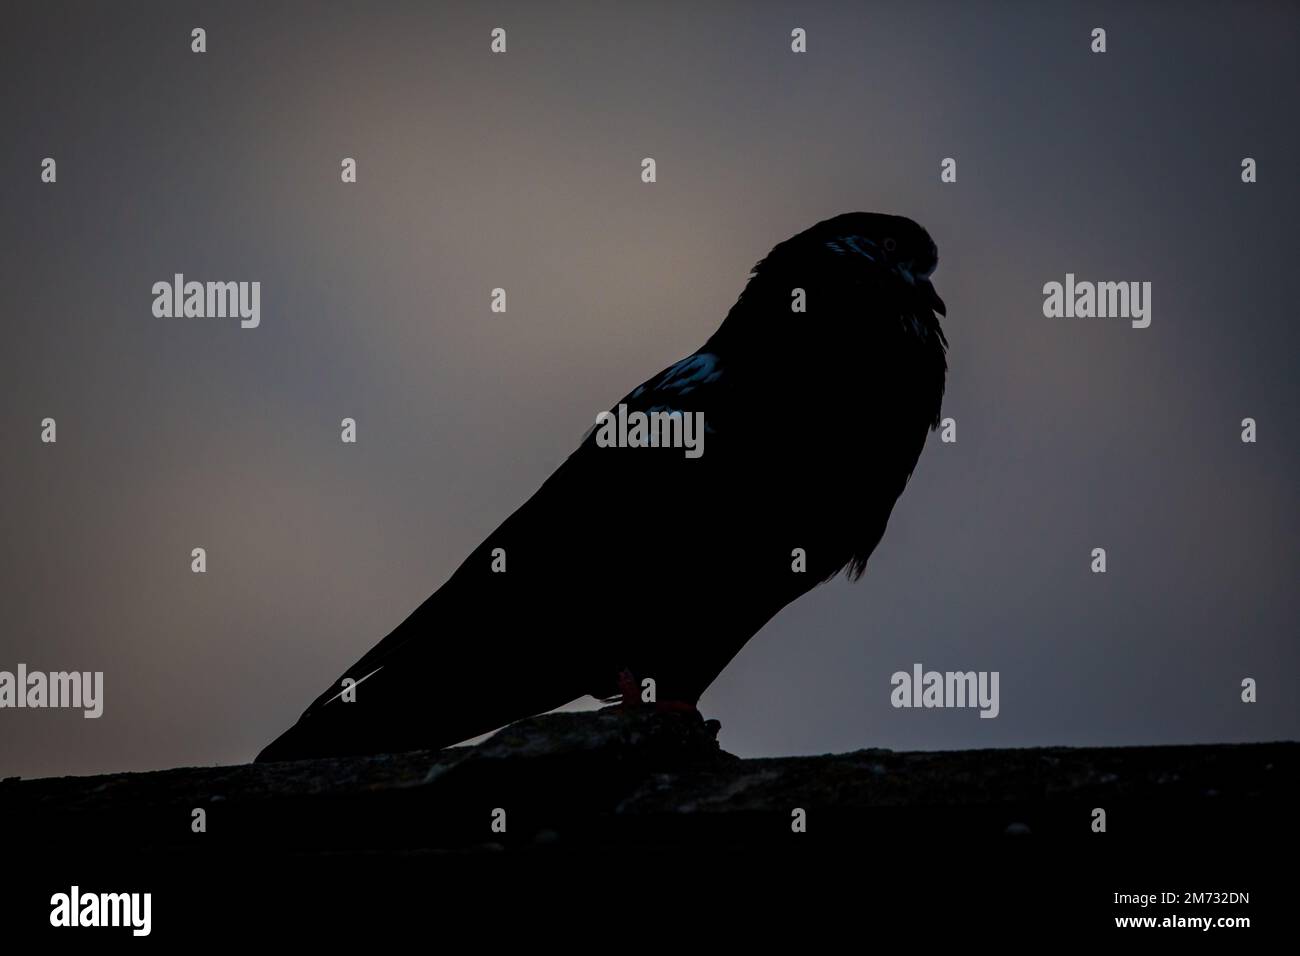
[[689, 385], [555, 542]]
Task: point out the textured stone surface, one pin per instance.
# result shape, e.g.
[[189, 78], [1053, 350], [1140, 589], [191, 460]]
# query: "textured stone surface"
[[593, 780]]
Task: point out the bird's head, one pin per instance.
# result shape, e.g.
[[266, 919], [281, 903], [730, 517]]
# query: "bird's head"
[[860, 276], [892, 252]]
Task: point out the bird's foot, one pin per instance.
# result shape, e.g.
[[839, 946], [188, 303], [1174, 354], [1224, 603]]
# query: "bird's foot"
[[630, 698]]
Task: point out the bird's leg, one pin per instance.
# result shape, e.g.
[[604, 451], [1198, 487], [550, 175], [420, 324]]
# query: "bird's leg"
[[630, 691], [627, 687]]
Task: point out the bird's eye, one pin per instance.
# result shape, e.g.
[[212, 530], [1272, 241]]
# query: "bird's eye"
[[890, 245]]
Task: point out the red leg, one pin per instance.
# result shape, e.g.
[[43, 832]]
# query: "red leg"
[[627, 686], [630, 696]]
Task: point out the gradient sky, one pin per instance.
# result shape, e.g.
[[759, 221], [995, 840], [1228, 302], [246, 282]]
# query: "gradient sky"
[[522, 171]]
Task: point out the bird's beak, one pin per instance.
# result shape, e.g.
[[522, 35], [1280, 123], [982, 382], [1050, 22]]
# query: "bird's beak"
[[935, 302]]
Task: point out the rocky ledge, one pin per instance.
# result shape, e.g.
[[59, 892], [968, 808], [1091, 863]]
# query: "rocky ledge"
[[658, 780]]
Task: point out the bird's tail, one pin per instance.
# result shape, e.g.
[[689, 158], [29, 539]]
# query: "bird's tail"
[[409, 703], [348, 727]]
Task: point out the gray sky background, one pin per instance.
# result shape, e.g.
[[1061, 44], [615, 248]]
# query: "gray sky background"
[[522, 171]]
